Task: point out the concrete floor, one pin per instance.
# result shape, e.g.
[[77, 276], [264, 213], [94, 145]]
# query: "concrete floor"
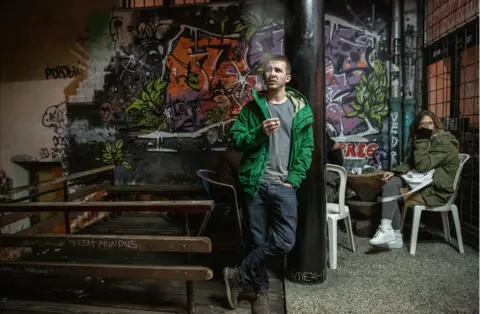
[[438, 279]]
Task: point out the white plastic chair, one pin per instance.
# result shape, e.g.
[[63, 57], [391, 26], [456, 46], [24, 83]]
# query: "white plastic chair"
[[337, 212], [450, 206]]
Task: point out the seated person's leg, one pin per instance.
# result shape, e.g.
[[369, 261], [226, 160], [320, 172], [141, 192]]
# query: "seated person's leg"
[[388, 233]]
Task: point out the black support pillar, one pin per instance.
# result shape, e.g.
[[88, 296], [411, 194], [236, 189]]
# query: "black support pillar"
[[304, 47]]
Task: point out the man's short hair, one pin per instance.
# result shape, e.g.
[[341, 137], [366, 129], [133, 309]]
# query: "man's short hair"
[[280, 58]]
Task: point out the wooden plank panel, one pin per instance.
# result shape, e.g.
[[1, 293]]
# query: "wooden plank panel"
[[13, 217], [160, 206], [185, 273], [59, 180], [88, 190], [111, 242], [156, 189], [47, 226]]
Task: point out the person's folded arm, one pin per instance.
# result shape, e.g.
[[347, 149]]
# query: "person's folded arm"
[[427, 156]]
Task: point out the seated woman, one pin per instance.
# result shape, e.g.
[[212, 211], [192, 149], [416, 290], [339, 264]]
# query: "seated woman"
[[431, 148]]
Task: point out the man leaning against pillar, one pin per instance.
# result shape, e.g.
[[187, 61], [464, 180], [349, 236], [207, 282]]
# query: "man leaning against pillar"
[[274, 133]]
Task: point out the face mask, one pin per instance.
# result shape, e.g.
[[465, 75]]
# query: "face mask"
[[423, 133]]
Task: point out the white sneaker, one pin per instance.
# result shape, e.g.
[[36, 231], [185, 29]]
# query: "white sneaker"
[[382, 236], [395, 244]]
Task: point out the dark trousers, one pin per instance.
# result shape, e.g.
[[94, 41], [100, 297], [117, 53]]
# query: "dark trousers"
[[272, 220]]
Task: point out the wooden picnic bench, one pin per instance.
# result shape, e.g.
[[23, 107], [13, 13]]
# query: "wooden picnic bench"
[[181, 244], [172, 191]]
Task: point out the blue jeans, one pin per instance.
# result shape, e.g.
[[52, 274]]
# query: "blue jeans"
[[272, 217]]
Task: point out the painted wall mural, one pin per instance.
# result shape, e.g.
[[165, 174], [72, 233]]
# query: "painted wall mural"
[[357, 80], [173, 80], [412, 68]]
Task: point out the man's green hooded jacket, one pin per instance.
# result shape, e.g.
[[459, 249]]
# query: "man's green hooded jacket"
[[249, 138]]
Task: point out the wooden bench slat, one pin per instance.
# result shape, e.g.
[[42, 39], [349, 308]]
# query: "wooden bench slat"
[[59, 180], [13, 217], [110, 242], [184, 273], [48, 225], [38, 307], [155, 206], [86, 191], [156, 189]]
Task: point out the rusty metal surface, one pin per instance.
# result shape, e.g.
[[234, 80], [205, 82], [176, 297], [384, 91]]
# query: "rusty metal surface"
[[111, 242], [184, 273], [155, 206]]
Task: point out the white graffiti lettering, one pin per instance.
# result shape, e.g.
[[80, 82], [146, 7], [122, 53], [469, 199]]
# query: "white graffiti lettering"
[[394, 135], [306, 276]]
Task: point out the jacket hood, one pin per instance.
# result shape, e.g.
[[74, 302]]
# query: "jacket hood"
[[446, 137], [298, 100]]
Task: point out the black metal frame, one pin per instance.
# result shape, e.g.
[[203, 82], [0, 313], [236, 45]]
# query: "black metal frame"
[[126, 4], [208, 181], [452, 45]]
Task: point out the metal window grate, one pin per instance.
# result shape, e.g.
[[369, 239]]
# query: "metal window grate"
[[468, 130], [132, 4], [445, 16], [451, 91], [439, 83]]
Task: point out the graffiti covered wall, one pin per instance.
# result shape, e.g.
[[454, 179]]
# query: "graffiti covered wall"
[[357, 80], [163, 86], [167, 84], [413, 73]]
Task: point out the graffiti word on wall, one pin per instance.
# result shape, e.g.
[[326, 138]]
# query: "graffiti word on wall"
[[394, 136], [63, 71], [358, 151]]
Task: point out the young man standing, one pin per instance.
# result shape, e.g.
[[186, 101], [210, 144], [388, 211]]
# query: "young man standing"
[[274, 133]]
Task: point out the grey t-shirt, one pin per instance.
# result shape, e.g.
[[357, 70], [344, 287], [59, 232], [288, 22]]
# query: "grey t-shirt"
[[279, 146]]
